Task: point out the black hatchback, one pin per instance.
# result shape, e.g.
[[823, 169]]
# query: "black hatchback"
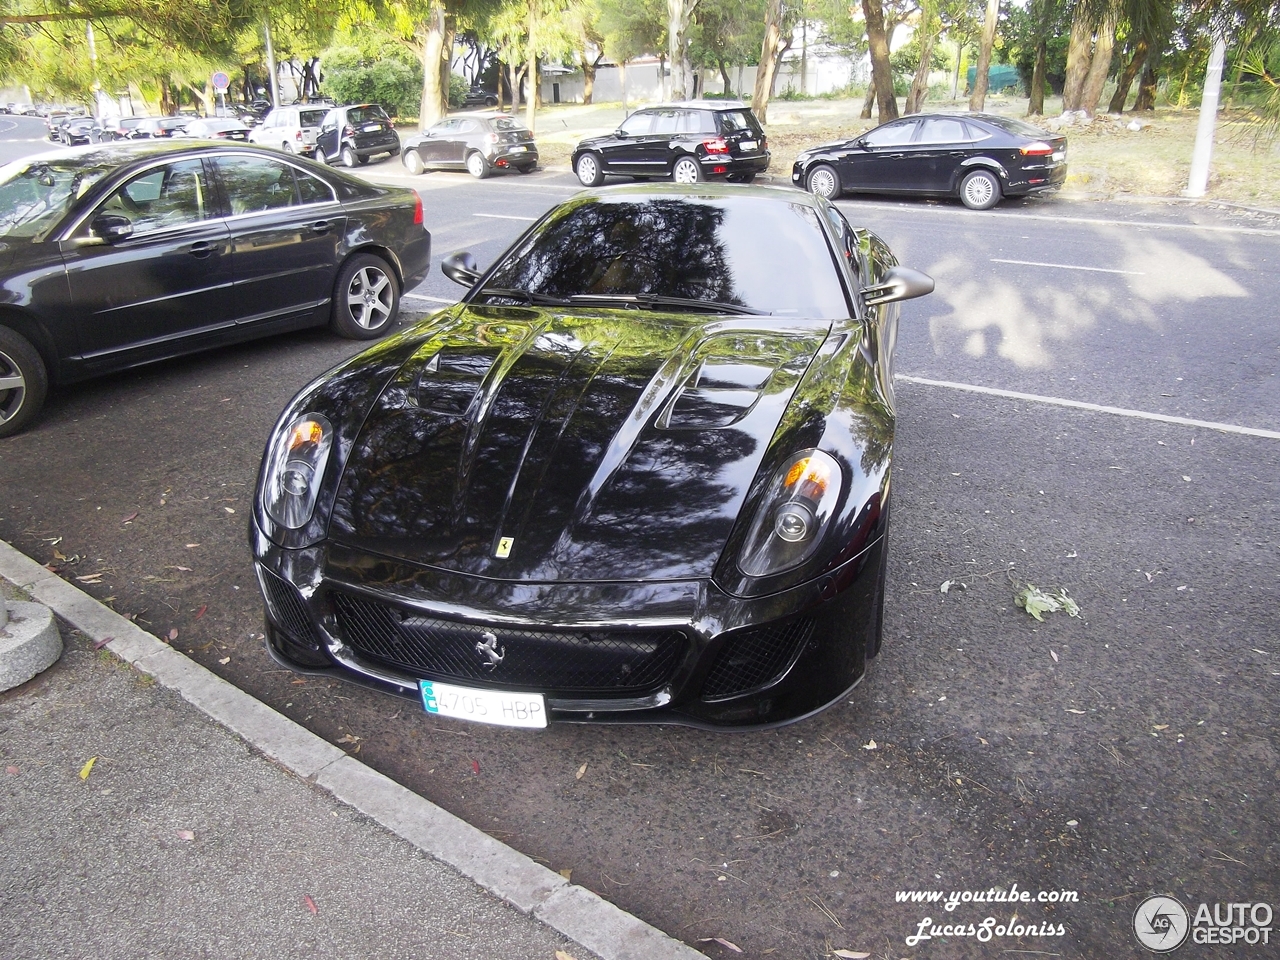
[[685, 142], [977, 157], [352, 134]]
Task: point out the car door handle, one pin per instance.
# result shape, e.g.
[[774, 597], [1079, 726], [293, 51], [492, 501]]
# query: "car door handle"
[[320, 226], [201, 249]]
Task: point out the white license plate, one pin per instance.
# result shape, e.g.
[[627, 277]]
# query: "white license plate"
[[517, 149], [1058, 155], [747, 145], [372, 127], [497, 707]]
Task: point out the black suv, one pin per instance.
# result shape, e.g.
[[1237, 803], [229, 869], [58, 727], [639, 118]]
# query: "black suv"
[[687, 142], [354, 133]]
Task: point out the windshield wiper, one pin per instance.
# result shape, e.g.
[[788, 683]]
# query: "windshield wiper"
[[525, 296], [654, 301]]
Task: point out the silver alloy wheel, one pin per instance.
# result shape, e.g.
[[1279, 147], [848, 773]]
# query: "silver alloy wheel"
[[13, 387], [349, 158], [979, 190], [370, 297], [412, 161], [588, 170], [686, 171], [822, 181], [476, 165]]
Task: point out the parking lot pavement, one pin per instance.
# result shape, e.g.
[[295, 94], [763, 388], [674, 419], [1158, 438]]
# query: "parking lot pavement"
[[138, 824]]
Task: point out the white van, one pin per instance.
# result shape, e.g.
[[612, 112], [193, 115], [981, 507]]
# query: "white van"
[[291, 128]]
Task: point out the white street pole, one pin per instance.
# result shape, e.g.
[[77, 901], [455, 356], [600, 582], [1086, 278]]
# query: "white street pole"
[[271, 64], [1199, 178]]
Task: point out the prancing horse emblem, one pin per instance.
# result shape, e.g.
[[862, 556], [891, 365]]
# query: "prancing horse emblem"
[[488, 647]]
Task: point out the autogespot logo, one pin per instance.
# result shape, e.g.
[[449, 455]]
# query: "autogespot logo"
[[1161, 924]]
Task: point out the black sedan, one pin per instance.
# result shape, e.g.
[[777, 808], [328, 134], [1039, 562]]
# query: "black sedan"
[[159, 128], [478, 144], [76, 130], [639, 473], [974, 156], [119, 254]]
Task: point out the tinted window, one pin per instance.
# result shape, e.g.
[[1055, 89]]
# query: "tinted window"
[[696, 121], [944, 130], [666, 121], [310, 118], [1017, 127], [755, 252], [371, 114], [732, 121], [891, 134], [255, 184], [312, 189], [167, 196], [506, 123], [467, 126]]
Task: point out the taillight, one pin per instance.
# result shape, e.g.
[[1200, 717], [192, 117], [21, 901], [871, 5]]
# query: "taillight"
[[715, 145], [298, 136], [348, 131], [417, 207], [1037, 149], [491, 138]]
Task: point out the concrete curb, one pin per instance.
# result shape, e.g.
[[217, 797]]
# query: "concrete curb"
[[533, 889], [29, 642]]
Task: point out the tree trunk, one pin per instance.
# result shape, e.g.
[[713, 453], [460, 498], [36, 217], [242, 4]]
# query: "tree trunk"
[[724, 75], [1100, 66], [768, 60], [679, 18], [435, 102], [1147, 87], [1130, 74], [1035, 104], [622, 76], [868, 102], [978, 99], [1078, 58], [927, 33], [531, 66], [881, 72]]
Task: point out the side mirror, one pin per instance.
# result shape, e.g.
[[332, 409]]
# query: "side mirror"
[[461, 268], [899, 283], [621, 134], [112, 227]]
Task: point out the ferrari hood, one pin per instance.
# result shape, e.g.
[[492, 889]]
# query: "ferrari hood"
[[543, 445]]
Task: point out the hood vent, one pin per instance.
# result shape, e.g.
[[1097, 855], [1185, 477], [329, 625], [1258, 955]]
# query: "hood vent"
[[718, 395], [451, 381]]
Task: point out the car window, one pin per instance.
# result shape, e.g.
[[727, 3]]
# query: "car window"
[[255, 184], [1016, 126], [370, 114], [696, 121], [35, 196], [891, 134], [944, 130], [750, 251], [733, 121], [666, 121], [312, 189], [167, 196], [638, 124], [467, 126], [309, 118], [506, 123]]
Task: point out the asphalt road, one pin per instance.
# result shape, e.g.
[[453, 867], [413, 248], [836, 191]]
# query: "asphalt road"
[[1128, 752]]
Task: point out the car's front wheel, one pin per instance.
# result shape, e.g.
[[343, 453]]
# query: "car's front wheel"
[[349, 158], [412, 161], [477, 165], [824, 181], [686, 170], [588, 170], [365, 299], [24, 382], [319, 156], [980, 190]]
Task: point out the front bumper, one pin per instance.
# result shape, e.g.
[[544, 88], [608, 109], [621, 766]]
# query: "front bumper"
[[671, 652]]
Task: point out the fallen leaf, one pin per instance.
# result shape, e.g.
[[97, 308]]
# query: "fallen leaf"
[[12, 771], [345, 738], [1037, 602], [1073, 823], [582, 771], [131, 517], [946, 585], [96, 578], [191, 545], [183, 569], [1054, 655], [567, 873], [561, 955], [99, 644], [1163, 726], [228, 509], [87, 768], [849, 955], [870, 745], [200, 612], [1069, 710], [722, 941], [173, 634], [225, 660], [311, 904], [185, 834], [475, 766]]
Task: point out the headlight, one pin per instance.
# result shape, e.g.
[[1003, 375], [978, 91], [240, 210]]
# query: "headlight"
[[298, 454], [793, 514]]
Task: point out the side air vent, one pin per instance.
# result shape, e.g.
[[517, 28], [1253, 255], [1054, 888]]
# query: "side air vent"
[[451, 380], [719, 395]]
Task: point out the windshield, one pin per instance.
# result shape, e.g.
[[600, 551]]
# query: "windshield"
[[757, 253], [366, 115], [310, 118], [35, 195]]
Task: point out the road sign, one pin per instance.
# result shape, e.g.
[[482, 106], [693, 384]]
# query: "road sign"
[[221, 81]]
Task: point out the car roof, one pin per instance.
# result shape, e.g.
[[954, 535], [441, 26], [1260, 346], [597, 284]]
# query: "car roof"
[[704, 191], [700, 105]]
